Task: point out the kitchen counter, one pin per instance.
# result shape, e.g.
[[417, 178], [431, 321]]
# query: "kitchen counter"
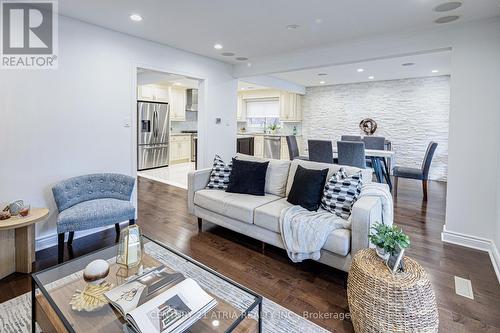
[[177, 133], [264, 134]]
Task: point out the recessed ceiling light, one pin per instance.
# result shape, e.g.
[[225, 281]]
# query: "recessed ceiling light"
[[447, 19], [318, 21], [292, 26], [322, 82], [177, 84], [249, 64], [447, 6], [360, 70], [242, 58], [371, 77], [434, 71], [135, 17], [218, 46], [242, 88], [322, 74], [408, 64], [227, 54]]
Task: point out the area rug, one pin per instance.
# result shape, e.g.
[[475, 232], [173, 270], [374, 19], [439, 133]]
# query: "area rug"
[[15, 314]]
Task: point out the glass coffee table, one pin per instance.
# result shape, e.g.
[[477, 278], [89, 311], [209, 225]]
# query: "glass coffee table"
[[238, 308]]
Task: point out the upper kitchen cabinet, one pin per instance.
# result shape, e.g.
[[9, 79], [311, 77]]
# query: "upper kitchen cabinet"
[[152, 93], [177, 104], [290, 107], [241, 113]]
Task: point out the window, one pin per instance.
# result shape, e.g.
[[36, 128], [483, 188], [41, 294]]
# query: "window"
[[262, 112]]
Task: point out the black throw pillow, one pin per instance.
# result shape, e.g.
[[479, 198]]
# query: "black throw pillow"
[[307, 188], [247, 177]]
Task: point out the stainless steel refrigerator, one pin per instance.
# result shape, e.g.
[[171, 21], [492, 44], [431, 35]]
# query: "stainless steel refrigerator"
[[152, 135]]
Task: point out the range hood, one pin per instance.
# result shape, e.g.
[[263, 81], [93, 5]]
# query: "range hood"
[[192, 100]]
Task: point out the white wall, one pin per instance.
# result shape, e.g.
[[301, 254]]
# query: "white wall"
[[474, 168], [67, 122], [409, 112]]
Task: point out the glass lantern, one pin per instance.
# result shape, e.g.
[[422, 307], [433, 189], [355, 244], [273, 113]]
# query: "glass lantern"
[[131, 247]]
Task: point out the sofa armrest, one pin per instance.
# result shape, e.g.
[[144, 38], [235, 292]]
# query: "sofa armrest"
[[365, 213], [197, 180]]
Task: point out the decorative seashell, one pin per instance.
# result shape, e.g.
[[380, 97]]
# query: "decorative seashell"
[[91, 298], [96, 271]]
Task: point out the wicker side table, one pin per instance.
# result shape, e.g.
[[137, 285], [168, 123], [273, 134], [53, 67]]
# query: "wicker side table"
[[382, 302]]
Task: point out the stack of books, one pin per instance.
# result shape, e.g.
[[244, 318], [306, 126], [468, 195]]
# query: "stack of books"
[[159, 302]]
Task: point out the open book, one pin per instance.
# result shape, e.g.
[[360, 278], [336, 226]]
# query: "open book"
[[172, 307]]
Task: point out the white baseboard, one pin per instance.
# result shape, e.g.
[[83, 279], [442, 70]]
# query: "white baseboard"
[[473, 242], [51, 240]]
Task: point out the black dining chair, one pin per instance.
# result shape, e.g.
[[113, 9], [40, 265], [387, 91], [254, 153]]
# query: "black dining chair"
[[320, 151], [350, 138], [293, 148], [351, 153], [421, 173]]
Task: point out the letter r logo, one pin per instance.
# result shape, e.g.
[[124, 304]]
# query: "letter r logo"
[[27, 27]]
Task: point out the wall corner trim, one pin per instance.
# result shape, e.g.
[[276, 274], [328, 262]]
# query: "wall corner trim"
[[474, 242]]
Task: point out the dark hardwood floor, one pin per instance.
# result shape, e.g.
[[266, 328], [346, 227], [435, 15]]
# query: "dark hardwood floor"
[[308, 286]]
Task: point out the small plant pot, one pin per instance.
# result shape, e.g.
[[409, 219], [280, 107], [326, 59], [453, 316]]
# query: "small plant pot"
[[381, 253]]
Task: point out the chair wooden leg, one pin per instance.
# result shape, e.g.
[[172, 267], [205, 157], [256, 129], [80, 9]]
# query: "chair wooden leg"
[[131, 222], [395, 187], [200, 224], [424, 189], [60, 248], [70, 238], [263, 249], [117, 230]]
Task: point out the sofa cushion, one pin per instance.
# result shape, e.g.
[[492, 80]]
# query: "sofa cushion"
[[307, 188], [247, 177], [276, 176], [94, 213], [341, 193], [339, 242], [267, 217], [234, 205], [219, 177], [333, 168]]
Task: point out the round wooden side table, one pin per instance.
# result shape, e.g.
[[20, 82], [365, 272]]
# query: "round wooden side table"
[[382, 302], [17, 242]]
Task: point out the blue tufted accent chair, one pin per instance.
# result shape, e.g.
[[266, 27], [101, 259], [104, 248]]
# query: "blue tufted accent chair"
[[92, 201]]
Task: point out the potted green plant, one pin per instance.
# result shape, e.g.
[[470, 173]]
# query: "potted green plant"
[[274, 127], [389, 240]]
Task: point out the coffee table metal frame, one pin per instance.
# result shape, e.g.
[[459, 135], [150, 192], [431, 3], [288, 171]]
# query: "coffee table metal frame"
[[36, 283]]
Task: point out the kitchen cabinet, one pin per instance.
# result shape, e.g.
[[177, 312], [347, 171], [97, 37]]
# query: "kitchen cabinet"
[[180, 148], [258, 146], [152, 93], [284, 149], [177, 104], [241, 112], [290, 107], [245, 145]]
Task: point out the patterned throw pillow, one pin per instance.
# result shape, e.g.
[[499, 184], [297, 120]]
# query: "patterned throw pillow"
[[219, 177], [341, 192]]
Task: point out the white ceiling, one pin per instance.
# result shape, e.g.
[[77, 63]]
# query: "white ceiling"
[[384, 69], [258, 28]]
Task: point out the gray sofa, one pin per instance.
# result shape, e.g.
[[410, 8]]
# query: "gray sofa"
[[258, 216]]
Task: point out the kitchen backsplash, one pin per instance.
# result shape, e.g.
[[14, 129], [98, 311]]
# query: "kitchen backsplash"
[[190, 124], [286, 128]]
